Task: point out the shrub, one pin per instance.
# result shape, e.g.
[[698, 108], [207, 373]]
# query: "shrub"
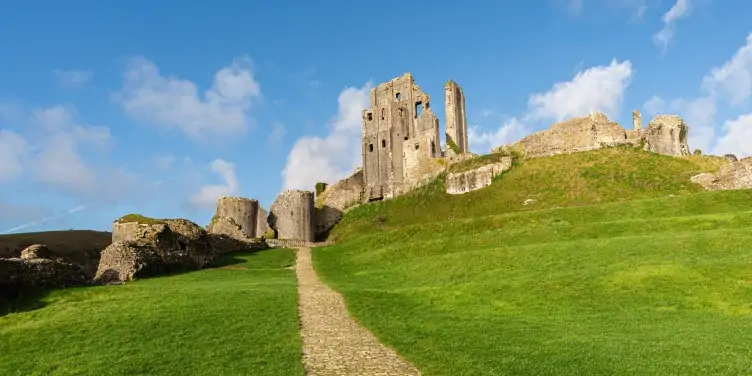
[[697, 152], [320, 188], [271, 234], [452, 145]]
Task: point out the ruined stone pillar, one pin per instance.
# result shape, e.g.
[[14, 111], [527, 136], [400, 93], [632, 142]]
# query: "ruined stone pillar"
[[261, 226], [243, 211], [637, 120], [456, 117], [292, 215]]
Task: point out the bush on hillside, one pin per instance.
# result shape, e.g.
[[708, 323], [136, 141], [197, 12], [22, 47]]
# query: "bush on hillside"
[[697, 152]]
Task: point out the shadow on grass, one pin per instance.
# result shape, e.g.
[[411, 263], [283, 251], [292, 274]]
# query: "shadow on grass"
[[23, 303]]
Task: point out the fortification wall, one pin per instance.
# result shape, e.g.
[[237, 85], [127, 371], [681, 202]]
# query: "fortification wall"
[[292, 215], [336, 199], [481, 177], [667, 134], [243, 211]]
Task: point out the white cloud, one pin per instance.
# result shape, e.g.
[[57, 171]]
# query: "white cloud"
[[44, 220], [207, 195], [328, 159], [164, 162], [727, 85], [73, 78], [699, 114], [600, 88], [680, 9], [170, 101], [734, 78], [12, 149], [737, 136], [482, 142], [597, 88]]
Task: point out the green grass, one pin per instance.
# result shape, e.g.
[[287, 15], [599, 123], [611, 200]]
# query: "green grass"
[[637, 272], [602, 176], [138, 218], [239, 318]]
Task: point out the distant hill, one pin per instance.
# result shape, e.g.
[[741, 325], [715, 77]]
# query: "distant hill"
[[81, 247]]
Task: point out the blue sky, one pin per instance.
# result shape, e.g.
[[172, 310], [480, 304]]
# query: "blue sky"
[[159, 107]]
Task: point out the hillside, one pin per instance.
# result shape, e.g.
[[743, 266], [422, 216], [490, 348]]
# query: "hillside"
[[81, 247], [601, 176], [620, 266]]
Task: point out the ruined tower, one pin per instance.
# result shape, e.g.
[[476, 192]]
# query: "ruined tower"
[[399, 132], [456, 118], [243, 211], [291, 215]]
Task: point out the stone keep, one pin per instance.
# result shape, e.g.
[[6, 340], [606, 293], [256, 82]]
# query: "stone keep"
[[292, 214], [401, 137], [243, 211]]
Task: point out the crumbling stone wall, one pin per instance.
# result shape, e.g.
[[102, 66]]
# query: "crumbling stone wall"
[[336, 199], [242, 211], [291, 215], [735, 175], [22, 277], [574, 135], [667, 134], [261, 226], [456, 118], [148, 247], [471, 180]]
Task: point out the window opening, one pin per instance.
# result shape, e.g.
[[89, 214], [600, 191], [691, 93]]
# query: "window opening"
[[383, 143], [370, 147], [370, 116], [398, 96], [418, 109]]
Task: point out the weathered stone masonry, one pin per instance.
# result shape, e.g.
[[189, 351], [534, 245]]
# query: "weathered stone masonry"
[[456, 117], [401, 137], [291, 215]]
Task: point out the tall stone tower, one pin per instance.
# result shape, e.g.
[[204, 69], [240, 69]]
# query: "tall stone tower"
[[399, 129], [456, 117]]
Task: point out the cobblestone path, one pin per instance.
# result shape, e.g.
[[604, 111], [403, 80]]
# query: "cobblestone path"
[[334, 344]]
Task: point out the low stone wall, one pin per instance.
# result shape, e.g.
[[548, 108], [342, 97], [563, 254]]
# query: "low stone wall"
[[23, 277], [477, 178], [288, 243], [735, 175]]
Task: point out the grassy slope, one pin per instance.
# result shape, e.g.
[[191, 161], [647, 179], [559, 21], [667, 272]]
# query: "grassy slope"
[[238, 319], [657, 286]]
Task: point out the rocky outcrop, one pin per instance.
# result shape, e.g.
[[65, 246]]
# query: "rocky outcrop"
[[667, 134], [243, 212], [736, 175], [291, 215], [477, 178], [36, 251], [145, 247], [336, 199], [23, 277], [575, 135]]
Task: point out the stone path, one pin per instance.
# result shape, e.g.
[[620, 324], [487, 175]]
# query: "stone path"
[[334, 344]]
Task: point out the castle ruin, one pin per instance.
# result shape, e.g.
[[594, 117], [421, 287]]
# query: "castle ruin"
[[401, 136]]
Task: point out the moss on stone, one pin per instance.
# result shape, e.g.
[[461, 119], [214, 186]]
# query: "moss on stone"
[[452, 145], [138, 218]]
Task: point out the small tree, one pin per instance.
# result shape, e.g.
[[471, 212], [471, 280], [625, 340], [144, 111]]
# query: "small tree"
[[697, 152]]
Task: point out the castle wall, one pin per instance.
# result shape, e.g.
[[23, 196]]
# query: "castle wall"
[[667, 134], [292, 215], [243, 211], [456, 116], [392, 122]]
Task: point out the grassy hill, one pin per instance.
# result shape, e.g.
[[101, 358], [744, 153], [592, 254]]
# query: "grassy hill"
[[607, 262], [237, 318]]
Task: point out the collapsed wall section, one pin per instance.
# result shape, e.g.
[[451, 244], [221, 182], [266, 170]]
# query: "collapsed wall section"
[[667, 134], [292, 214]]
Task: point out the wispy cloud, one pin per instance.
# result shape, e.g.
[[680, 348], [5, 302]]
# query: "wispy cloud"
[[44, 220], [73, 78], [681, 9]]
